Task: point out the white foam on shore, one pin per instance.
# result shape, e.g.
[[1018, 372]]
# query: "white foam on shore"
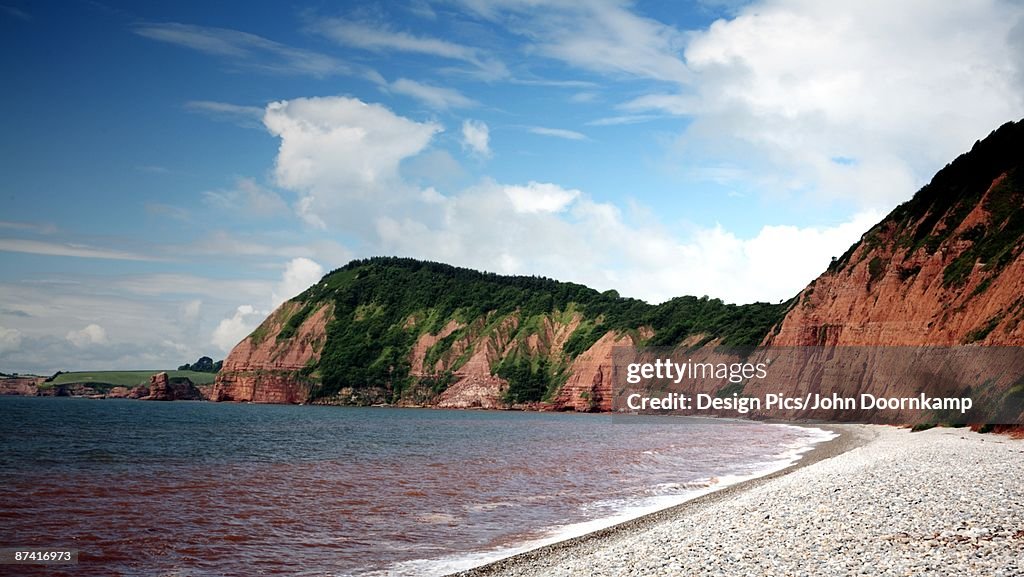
[[624, 511]]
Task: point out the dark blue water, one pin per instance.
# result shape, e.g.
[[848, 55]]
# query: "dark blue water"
[[191, 488]]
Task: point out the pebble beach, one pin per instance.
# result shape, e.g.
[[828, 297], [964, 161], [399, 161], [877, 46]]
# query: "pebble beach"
[[875, 501]]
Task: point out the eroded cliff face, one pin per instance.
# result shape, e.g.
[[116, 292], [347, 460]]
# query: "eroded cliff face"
[[944, 269], [455, 367], [589, 387], [268, 366]]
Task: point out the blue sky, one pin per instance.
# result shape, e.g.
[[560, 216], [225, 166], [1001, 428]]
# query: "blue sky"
[[173, 171]]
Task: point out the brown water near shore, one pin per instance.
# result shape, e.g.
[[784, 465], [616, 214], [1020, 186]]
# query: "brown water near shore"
[[213, 489]]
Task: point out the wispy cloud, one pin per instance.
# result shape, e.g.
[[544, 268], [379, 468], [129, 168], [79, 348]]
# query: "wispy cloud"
[[244, 49], [623, 119], [557, 132], [382, 38], [249, 198], [605, 37], [66, 249], [436, 97], [245, 116], [36, 227]]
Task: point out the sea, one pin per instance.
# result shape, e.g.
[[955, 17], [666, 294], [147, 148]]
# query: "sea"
[[196, 489]]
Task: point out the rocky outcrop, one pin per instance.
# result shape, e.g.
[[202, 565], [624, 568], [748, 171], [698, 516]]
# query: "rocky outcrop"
[[162, 388]]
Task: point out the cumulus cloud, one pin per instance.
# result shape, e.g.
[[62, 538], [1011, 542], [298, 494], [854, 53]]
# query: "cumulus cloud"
[[780, 89], [787, 87], [230, 331], [537, 227], [299, 274], [476, 137], [568, 236], [337, 151], [92, 334]]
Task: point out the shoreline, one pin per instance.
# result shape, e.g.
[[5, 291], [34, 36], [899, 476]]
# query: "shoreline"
[[848, 437], [876, 500]]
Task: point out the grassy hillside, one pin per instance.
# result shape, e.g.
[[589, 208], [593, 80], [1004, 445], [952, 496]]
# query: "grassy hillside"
[[125, 378], [383, 305]]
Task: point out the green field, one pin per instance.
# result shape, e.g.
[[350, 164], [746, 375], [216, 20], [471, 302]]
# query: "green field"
[[125, 378]]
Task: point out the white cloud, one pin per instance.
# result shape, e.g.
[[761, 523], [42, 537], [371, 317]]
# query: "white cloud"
[[568, 236], [787, 86], [231, 331], [476, 137], [10, 340], [780, 88], [773, 265], [544, 228], [540, 197], [340, 153], [433, 96], [338, 142], [91, 334], [51, 308], [557, 132], [299, 274]]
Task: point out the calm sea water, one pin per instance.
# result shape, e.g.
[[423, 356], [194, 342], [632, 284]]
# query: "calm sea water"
[[227, 489]]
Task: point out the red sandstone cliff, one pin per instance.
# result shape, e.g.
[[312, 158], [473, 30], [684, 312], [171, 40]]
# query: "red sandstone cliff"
[[888, 293], [944, 269], [264, 368]]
